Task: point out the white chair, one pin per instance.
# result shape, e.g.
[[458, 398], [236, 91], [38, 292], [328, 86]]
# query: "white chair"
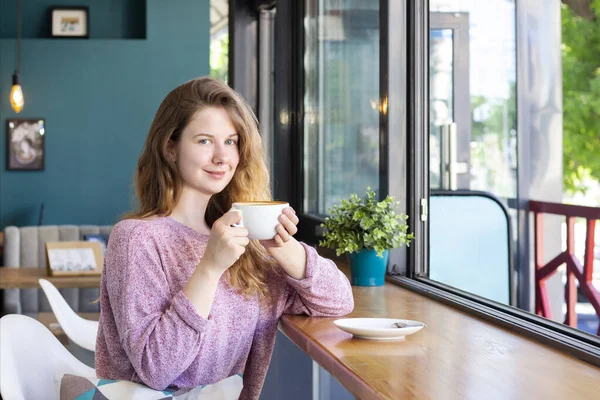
[[81, 331], [31, 359]]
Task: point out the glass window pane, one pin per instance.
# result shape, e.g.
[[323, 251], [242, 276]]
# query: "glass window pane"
[[491, 55], [219, 39], [441, 96], [341, 104], [473, 145]]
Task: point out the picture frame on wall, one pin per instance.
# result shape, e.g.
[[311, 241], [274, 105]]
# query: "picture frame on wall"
[[70, 22], [25, 147]]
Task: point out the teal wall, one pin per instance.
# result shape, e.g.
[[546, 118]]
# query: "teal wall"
[[98, 97]]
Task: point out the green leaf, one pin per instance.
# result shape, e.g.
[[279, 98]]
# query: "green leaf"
[[581, 97], [364, 223]]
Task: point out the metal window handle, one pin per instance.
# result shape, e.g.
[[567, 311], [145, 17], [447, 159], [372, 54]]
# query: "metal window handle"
[[449, 166]]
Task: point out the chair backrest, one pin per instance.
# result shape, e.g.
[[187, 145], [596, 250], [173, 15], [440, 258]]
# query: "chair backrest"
[[470, 242], [81, 331], [32, 359], [25, 247]]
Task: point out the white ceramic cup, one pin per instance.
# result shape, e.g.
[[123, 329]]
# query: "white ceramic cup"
[[260, 217]]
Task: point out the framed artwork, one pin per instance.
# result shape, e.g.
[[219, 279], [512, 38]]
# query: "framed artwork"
[[25, 144], [74, 258], [69, 22]]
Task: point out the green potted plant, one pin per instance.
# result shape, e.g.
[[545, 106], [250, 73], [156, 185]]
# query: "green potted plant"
[[366, 229]]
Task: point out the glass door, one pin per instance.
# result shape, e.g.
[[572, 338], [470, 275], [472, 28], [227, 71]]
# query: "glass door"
[[472, 152], [449, 123]]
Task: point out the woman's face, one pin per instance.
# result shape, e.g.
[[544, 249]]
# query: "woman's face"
[[207, 153]]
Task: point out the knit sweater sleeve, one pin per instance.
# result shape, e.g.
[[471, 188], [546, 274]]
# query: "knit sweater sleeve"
[[324, 292], [160, 331]]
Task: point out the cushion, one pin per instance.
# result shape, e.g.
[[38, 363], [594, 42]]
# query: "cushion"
[[74, 387]]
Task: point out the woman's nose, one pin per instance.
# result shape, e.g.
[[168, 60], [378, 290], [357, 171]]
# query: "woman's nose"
[[220, 156]]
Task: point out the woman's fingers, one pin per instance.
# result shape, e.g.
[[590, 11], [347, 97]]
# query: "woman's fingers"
[[288, 224], [287, 227], [278, 240], [240, 240], [283, 234], [238, 231], [291, 214], [231, 217]]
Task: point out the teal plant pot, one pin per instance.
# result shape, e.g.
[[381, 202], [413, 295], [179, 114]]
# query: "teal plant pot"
[[366, 269]]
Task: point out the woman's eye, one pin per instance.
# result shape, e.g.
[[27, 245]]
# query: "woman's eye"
[[204, 141], [230, 142]]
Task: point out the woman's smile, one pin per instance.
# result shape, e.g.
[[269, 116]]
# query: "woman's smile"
[[216, 174]]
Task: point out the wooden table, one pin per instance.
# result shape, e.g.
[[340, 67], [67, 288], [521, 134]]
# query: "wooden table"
[[27, 278], [457, 356]]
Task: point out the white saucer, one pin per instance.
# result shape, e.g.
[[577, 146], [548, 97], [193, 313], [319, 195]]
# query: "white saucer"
[[378, 328]]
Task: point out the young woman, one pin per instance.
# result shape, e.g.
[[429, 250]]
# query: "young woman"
[[186, 298]]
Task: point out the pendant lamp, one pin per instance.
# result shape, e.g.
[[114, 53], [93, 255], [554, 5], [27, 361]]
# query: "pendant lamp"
[[16, 93]]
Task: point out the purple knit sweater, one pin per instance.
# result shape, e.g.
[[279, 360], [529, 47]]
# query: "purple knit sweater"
[[151, 333]]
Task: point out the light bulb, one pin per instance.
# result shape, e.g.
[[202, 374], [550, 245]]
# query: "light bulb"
[[16, 98], [16, 94]]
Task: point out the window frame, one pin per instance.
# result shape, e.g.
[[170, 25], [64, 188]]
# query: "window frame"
[[404, 75]]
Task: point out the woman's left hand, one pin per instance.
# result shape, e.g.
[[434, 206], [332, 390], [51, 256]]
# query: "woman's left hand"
[[288, 252], [286, 229]]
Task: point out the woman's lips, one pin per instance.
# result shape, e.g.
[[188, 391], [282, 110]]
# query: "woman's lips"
[[216, 174]]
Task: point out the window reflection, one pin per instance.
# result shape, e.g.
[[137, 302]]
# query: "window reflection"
[[492, 90], [441, 109], [341, 104]]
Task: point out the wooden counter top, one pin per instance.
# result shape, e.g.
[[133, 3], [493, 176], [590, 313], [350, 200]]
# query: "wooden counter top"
[[27, 278], [457, 356]]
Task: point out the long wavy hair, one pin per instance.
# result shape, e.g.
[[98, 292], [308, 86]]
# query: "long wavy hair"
[[158, 184]]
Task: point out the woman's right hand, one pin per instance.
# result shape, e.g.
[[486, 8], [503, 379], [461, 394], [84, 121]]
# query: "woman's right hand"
[[226, 243]]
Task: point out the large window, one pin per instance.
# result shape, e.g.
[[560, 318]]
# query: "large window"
[[482, 246], [454, 107], [341, 101]]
